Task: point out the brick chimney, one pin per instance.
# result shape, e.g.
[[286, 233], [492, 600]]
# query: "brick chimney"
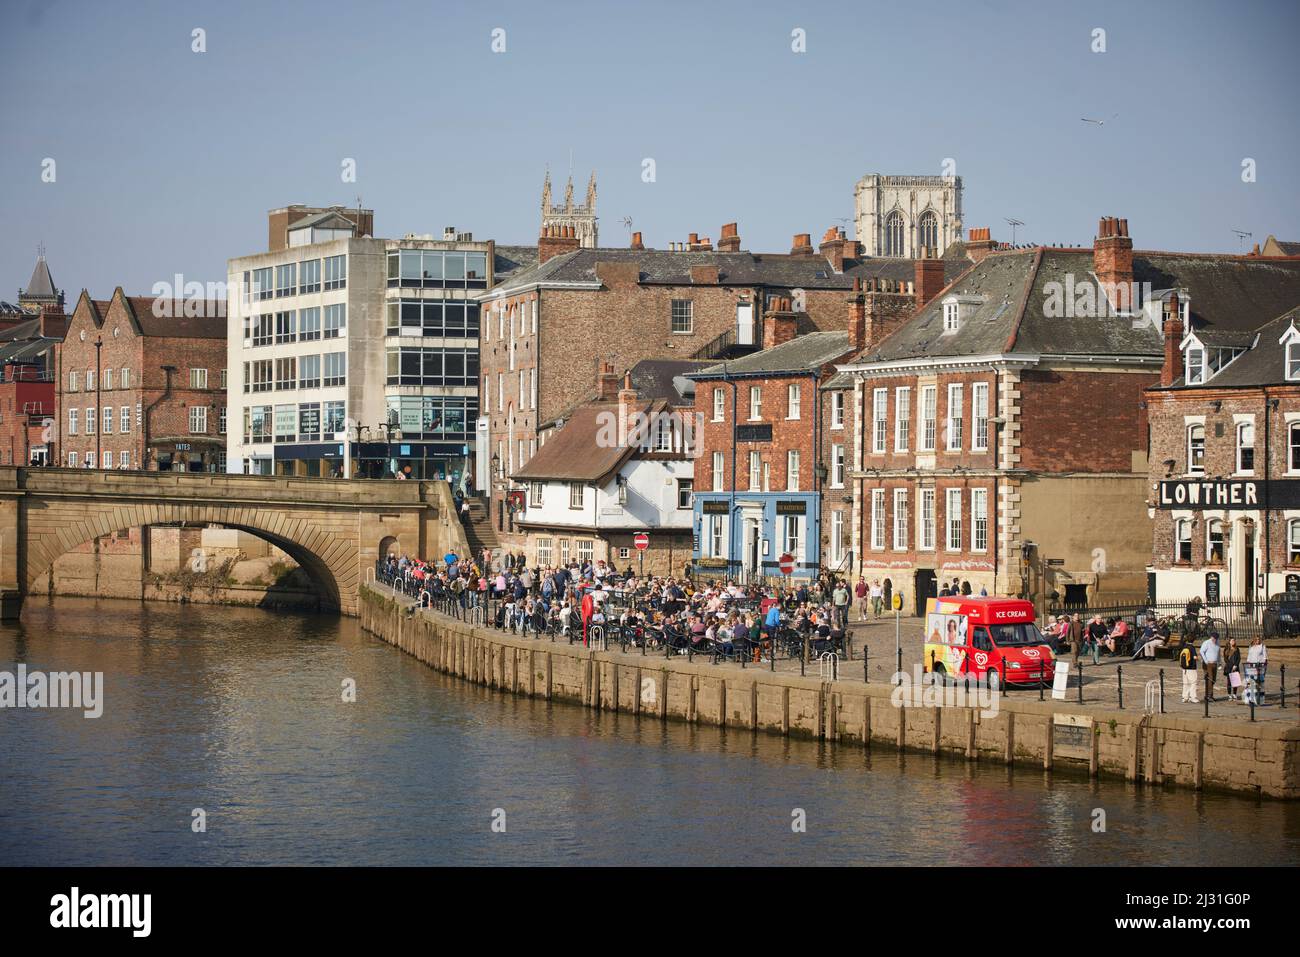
[[556, 241], [781, 324], [887, 305], [729, 242], [929, 278], [980, 243], [833, 247], [802, 245], [1112, 260], [1172, 369], [636, 242], [607, 382], [857, 318]]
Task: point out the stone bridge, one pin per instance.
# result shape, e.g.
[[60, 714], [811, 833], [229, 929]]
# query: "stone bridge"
[[334, 529]]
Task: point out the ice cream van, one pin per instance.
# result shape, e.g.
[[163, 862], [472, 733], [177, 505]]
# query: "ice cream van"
[[991, 640]]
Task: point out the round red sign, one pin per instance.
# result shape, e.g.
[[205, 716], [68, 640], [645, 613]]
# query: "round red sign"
[[786, 563], [641, 541]]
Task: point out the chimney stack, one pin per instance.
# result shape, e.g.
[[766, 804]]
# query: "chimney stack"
[[980, 243], [729, 242], [1112, 261], [1172, 369], [636, 242], [929, 278], [781, 324], [556, 241], [607, 382], [857, 318], [802, 245], [834, 247]]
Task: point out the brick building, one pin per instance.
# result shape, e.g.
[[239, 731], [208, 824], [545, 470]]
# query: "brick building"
[[1001, 434], [141, 384], [546, 328], [758, 478], [1224, 491], [29, 336]]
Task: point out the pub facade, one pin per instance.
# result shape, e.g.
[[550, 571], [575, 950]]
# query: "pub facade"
[[1225, 467]]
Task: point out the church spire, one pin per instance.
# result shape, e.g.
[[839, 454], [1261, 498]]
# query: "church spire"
[[591, 192], [568, 195], [546, 192]]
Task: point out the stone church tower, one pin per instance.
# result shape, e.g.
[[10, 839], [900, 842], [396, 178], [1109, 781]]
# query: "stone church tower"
[[900, 215], [582, 218]]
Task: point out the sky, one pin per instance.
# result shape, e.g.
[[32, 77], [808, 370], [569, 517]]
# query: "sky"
[[166, 160]]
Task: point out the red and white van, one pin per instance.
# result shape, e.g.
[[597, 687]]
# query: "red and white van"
[[992, 640]]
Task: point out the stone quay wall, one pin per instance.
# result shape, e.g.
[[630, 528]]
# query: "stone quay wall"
[[1259, 759]]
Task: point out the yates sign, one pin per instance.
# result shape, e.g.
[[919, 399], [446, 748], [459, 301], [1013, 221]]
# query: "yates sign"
[[1230, 493]]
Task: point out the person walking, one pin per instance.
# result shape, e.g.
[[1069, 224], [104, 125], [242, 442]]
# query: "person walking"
[[840, 598], [1232, 669], [877, 597], [1187, 661], [1210, 662], [1075, 633], [862, 593]]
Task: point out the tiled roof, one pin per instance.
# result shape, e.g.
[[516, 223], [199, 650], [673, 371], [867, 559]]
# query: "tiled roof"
[[800, 354], [41, 285], [575, 453], [780, 270], [509, 260], [210, 325], [1228, 295], [652, 379]]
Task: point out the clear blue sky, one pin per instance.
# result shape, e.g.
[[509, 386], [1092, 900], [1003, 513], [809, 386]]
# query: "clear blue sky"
[[167, 160]]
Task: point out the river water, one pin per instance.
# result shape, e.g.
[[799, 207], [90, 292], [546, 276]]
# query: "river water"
[[240, 713]]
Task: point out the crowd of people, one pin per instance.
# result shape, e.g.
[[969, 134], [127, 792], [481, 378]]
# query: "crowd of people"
[[593, 600]]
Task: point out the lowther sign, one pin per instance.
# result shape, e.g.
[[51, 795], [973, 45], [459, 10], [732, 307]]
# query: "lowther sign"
[[1229, 493]]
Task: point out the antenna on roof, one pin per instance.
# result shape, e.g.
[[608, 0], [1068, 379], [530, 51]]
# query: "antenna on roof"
[[627, 221], [1242, 236], [1013, 223]]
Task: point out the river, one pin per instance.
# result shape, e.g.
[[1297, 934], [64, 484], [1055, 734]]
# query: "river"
[[241, 713]]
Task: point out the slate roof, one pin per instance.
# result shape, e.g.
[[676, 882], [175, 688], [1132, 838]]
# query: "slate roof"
[[509, 260], [211, 325], [41, 285], [573, 454], [12, 309], [652, 379], [1288, 249], [800, 354], [319, 219], [664, 267], [1228, 295]]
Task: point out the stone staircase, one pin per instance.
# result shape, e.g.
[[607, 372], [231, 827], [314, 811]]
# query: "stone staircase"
[[479, 530]]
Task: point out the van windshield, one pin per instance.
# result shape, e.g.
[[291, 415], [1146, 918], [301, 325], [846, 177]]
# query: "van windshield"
[[1026, 633]]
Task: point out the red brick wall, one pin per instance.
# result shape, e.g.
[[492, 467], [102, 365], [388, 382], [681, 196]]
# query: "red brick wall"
[[1082, 421]]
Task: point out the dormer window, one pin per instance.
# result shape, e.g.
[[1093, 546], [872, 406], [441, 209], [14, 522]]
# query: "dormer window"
[[1293, 360], [951, 316], [1195, 363]]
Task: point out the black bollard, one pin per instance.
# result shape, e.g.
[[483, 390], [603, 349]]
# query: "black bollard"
[[1079, 669], [899, 669], [1162, 690], [1040, 684], [866, 671], [1207, 695], [1119, 674], [1282, 689], [801, 666], [1252, 708]]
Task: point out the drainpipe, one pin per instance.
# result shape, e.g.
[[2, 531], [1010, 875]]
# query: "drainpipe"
[[731, 510], [167, 391]]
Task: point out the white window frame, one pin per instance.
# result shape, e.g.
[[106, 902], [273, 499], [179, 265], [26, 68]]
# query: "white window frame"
[[902, 418], [900, 519], [719, 476], [1242, 427], [980, 417], [927, 413], [956, 416], [1192, 467], [792, 470], [577, 495], [878, 519], [755, 403], [838, 463], [979, 520], [925, 518], [719, 404], [837, 410], [952, 519], [879, 420], [792, 400], [755, 471]]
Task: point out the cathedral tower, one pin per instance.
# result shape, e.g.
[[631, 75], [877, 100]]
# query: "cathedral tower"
[[582, 217]]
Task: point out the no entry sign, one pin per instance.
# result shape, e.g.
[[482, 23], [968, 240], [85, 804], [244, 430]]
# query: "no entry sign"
[[786, 563], [641, 541]]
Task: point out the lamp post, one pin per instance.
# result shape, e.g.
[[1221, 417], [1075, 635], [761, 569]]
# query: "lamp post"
[[997, 422], [495, 479]]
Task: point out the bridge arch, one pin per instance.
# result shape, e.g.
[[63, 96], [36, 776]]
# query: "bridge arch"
[[328, 557]]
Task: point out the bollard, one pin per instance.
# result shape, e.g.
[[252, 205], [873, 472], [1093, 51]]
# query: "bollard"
[[835, 669], [1252, 709], [1040, 683], [1207, 696], [1119, 674], [1162, 690], [1282, 689], [644, 641], [771, 652], [801, 666], [899, 669], [866, 671], [1079, 669]]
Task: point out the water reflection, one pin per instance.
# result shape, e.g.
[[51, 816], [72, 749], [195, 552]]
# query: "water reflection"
[[240, 712]]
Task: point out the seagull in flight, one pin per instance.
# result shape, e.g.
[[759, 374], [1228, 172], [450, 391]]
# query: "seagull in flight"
[[1097, 122]]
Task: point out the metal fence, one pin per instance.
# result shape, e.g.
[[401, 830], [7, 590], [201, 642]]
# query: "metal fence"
[[1231, 619]]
